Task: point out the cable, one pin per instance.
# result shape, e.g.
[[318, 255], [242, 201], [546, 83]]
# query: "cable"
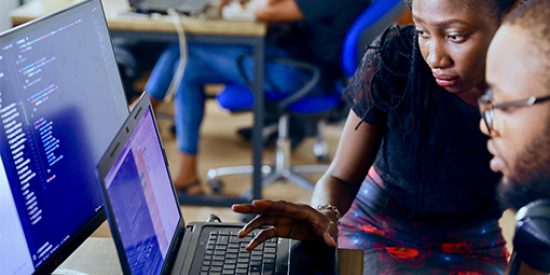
[[180, 70]]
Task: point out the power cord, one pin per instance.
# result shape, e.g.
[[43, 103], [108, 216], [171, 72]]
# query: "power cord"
[[180, 70]]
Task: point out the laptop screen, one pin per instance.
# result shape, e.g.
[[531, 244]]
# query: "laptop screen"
[[61, 103], [142, 199]]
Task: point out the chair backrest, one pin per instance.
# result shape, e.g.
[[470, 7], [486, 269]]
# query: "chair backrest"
[[378, 15]]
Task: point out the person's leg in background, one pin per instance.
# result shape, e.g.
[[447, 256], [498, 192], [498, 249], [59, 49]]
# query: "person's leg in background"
[[208, 63], [162, 74]]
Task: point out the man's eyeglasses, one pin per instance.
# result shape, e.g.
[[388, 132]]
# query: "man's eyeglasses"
[[487, 108]]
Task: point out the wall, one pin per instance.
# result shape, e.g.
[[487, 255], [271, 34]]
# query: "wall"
[[5, 7]]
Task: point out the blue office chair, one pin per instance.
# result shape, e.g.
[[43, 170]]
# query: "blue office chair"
[[237, 97]]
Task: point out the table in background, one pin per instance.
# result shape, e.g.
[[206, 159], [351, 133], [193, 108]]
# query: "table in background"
[[123, 23]]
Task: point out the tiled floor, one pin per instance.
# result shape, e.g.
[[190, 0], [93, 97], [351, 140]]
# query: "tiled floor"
[[221, 146]]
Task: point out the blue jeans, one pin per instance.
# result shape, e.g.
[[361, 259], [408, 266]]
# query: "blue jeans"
[[208, 64]]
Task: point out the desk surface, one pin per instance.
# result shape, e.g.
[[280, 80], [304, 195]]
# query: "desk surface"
[[120, 18], [98, 256]]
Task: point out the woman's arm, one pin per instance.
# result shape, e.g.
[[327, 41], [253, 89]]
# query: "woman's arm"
[[355, 154], [338, 187], [271, 11]]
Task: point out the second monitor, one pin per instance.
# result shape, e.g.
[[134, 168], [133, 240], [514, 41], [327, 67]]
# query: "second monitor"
[[61, 103]]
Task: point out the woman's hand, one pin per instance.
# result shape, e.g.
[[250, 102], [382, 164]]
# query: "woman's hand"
[[287, 220]]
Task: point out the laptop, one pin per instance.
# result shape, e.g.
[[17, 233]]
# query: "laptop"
[[162, 6], [145, 219]]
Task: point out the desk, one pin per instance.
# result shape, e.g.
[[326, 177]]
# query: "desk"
[[122, 23], [98, 256]]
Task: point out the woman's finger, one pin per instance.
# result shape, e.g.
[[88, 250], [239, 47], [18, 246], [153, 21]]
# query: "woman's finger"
[[298, 211], [261, 237], [255, 223], [283, 209]]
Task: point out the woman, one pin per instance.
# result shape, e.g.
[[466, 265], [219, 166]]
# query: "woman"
[[411, 170]]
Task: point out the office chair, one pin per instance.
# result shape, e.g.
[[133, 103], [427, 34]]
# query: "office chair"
[[238, 97]]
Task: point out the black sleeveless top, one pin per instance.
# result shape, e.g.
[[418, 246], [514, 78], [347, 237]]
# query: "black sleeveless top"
[[433, 157]]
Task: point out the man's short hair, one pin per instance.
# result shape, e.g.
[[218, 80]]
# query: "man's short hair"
[[533, 17]]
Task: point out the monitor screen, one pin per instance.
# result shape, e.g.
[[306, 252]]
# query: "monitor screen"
[[142, 201], [61, 103]]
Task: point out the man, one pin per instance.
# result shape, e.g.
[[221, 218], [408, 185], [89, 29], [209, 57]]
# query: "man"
[[516, 115], [308, 30]]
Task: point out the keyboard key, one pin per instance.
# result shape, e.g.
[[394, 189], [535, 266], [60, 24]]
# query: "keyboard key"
[[243, 260], [221, 247], [241, 271], [216, 269], [255, 268], [242, 266], [269, 261], [218, 258], [217, 263], [269, 256], [256, 263], [256, 258], [223, 240], [244, 254], [270, 250], [231, 256], [256, 253], [230, 261]]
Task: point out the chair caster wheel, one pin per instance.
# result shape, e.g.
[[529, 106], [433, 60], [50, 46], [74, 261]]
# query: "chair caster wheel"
[[323, 159], [215, 185]]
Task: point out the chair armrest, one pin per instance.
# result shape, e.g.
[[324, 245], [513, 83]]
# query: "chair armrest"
[[295, 96]]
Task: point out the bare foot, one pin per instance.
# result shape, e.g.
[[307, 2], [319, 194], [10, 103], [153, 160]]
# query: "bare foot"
[[187, 179], [190, 188]]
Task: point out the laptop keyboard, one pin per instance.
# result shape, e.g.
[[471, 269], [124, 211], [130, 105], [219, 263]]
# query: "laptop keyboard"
[[226, 254]]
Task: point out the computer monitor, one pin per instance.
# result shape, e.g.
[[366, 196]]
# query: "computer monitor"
[[61, 103]]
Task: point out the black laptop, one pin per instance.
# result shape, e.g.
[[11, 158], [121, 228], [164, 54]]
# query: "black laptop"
[[162, 6], [145, 219]]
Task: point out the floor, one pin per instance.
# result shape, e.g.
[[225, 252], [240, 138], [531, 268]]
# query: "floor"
[[220, 146]]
